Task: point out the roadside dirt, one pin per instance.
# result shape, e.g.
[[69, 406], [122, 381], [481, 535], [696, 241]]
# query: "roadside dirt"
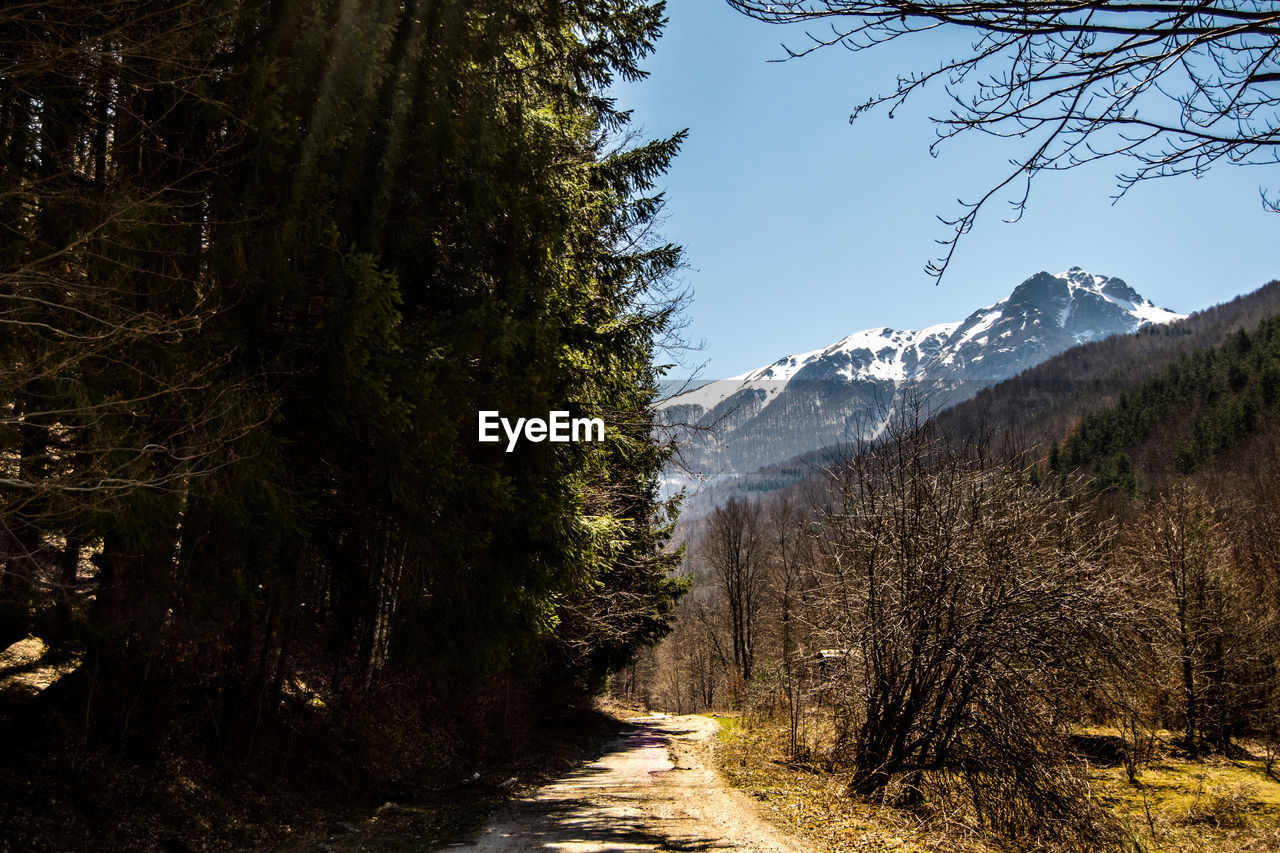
[[656, 789]]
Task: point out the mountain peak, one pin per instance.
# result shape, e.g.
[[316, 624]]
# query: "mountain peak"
[[814, 399], [1083, 304]]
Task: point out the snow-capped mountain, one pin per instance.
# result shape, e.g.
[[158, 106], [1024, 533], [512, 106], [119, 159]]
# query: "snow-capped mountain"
[[845, 391]]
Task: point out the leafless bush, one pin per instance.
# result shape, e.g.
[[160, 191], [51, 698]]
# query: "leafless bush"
[[970, 604]]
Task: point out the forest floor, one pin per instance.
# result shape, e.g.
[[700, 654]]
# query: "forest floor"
[[310, 784], [655, 789]]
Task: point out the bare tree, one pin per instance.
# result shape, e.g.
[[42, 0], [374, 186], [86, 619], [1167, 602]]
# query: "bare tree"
[[1255, 558], [791, 562], [1172, 86], [734, 549], [1181, 534], [971, 605], [691, 666]]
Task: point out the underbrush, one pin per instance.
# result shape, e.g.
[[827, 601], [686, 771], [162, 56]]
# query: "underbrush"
[[1178, 806], [384, 770]]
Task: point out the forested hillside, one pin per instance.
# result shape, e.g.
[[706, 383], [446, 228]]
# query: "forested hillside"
[[1198, 409], [1133, 411], [261, 266]]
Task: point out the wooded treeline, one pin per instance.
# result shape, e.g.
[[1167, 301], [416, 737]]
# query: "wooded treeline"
[[261, 264], [1222, 395], [947, 619]]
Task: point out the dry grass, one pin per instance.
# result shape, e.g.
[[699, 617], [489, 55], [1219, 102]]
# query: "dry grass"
[[812, 803], [1213, 805], [1182, 806]]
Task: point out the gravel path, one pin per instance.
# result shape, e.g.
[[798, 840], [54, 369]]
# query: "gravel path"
[[655, 789]]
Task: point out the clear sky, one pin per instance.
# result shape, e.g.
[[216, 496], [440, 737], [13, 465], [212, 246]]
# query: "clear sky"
[[801, 228]]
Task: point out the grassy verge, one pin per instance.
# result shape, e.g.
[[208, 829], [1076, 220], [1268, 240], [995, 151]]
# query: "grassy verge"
[[812, 804], [1213, 805]]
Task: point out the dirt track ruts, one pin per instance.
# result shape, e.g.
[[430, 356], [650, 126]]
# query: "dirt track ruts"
[[655, 789]]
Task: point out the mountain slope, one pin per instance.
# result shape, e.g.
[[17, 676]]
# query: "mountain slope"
[[1045, 401], [1053, 399], [844, 391]]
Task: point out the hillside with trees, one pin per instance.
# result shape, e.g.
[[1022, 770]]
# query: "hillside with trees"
[[1043, 403], [1200, 407]]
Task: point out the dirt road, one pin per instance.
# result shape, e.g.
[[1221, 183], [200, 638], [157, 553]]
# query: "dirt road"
[[656, 790]]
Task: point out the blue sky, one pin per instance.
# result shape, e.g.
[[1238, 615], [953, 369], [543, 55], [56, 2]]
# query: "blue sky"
[[801, 228]]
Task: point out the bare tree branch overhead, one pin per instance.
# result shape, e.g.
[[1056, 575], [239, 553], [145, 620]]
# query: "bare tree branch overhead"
[[1171, 88]]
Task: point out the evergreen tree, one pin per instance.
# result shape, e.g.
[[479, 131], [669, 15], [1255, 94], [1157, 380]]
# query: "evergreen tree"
[[280, 256]]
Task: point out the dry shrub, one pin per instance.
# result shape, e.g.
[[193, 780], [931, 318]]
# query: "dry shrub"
[[1039, 808], [970, 603]]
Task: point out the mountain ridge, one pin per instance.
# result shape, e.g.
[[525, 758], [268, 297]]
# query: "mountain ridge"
[[1041, 404], [845, 390]]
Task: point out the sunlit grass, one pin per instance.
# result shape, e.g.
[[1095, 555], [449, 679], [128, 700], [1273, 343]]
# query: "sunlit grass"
[[1211, 804], [813, 804], [1216, 805], [728, 726]]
